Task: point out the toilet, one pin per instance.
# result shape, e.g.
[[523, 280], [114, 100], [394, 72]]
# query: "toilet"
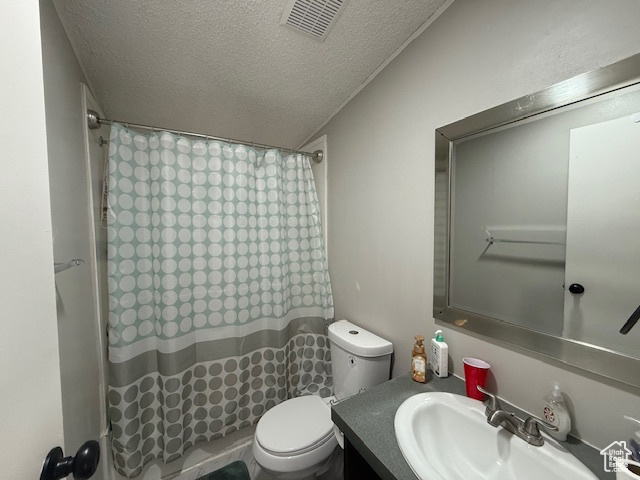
[[295, 439]]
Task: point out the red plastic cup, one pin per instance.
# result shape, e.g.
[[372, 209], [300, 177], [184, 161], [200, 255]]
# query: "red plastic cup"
[[475, 373]]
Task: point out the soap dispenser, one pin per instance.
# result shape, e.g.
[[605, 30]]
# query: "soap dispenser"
[[419, 361], [556, 413]]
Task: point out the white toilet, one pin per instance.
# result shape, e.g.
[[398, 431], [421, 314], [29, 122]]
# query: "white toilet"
[[295, 438]]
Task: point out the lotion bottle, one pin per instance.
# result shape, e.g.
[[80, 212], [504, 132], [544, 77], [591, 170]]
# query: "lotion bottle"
[[419, 361], [438, 356], [556, 413]]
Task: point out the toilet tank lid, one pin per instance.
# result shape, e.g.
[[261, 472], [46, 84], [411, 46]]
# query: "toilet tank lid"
[[357, 340]]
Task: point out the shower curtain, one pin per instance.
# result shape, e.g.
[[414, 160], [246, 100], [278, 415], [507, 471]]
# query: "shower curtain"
[[219, 294]]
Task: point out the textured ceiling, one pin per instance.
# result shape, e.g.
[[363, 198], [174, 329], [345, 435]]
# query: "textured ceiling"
[[226, 67]]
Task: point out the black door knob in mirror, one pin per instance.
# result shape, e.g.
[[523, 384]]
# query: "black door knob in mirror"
[[576, 288]]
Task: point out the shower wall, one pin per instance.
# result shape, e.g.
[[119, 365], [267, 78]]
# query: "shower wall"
[[73, 231]]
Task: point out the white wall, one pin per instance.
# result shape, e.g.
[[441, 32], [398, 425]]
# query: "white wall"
[[30, 405], [80, 353], [475, 56]]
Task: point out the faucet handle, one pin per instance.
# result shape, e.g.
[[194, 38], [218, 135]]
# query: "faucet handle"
[[531, 424], [493, 404]]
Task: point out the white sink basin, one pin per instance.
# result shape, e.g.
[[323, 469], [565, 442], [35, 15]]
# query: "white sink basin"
[[446, 437]]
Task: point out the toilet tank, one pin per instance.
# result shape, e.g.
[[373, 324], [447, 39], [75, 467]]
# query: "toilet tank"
[[359, 359]]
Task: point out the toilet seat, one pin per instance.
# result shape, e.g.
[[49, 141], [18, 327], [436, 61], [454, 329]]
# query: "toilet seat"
[[295, 427]]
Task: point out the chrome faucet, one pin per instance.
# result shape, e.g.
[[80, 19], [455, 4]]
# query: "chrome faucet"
[[525, 429]]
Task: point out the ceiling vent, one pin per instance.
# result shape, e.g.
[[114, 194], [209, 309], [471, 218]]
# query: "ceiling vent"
[[313, 17]]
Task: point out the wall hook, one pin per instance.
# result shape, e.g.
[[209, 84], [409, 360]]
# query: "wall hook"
[[62, 266]]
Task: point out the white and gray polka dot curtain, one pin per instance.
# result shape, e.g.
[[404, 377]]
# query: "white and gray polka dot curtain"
[[219, 293]]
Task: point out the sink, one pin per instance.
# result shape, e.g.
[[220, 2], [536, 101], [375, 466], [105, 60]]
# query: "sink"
[[444, 436]]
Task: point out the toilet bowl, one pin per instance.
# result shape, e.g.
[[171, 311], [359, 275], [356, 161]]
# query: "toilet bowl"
[[295, 439]]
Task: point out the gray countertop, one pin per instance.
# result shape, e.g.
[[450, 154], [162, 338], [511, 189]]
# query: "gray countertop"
[[367, 421]]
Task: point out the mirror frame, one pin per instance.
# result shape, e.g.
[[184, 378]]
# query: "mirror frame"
[[592, 358]]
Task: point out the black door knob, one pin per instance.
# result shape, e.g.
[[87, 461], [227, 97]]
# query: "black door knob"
[[82, 466], [86, 461], [576, 288]]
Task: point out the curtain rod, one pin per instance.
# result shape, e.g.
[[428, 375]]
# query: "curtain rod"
[[94, 121]]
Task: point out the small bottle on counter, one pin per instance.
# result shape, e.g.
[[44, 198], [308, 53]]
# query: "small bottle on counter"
[[419, 361], [439, 356]]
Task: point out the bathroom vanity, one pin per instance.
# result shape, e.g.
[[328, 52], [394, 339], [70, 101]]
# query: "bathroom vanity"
[[371, 448]]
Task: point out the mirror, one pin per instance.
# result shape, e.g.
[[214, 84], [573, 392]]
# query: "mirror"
[[537, 224]]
